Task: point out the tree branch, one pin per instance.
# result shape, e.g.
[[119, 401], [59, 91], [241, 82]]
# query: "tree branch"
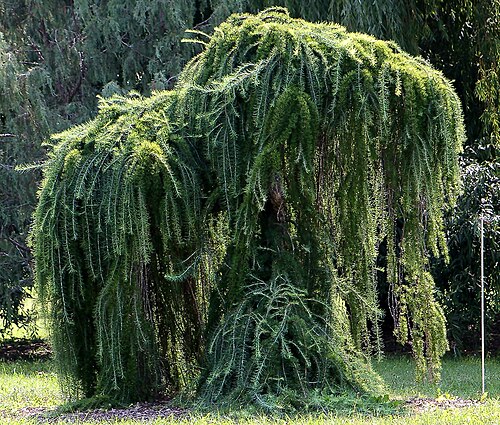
[[19, 245]]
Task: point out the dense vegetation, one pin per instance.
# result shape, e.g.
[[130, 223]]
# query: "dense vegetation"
[[225, 233], [56, 57]]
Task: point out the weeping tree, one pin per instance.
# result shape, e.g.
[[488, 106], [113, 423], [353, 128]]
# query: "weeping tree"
[[224, 234]]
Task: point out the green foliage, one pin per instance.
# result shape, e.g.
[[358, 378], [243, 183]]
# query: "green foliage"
[[403, 22], [460, 279], [55, 58], [70, 51], [472, 58], [20, 105], [461, 38], [233, 223], [118, 261]]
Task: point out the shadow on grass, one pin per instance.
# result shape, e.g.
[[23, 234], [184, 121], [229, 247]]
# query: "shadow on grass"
[[24, 349], [346, 405]]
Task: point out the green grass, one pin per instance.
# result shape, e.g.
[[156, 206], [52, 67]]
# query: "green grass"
[[460, 377], [28, 384], [33, 384], [487, 414]]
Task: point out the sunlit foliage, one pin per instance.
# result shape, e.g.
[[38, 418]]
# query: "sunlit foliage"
[[226, 232]]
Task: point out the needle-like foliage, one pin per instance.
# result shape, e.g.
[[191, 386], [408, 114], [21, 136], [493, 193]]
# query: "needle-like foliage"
[[226, 232]]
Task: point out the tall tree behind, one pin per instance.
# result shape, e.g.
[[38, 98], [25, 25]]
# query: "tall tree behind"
[[40, 78], [23, 122], [136, 43]]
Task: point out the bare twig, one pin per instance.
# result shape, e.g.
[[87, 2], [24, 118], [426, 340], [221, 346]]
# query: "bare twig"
[[19, 245]]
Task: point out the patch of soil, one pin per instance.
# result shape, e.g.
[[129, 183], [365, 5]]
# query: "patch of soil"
[[420, 405], [139, 412], [24, 350]]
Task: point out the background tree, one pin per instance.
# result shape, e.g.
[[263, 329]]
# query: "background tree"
[[23, 124], [38, 88]]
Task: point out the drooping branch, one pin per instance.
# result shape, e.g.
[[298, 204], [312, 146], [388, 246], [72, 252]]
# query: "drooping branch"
[[233, 223]]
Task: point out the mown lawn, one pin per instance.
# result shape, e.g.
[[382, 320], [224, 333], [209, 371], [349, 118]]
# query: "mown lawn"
[[26, 387]]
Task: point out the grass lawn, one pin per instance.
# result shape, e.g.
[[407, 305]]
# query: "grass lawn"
[[28, 387]]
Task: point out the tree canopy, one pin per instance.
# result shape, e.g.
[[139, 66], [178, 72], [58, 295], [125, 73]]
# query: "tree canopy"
[[59, 55], [225, 232]]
